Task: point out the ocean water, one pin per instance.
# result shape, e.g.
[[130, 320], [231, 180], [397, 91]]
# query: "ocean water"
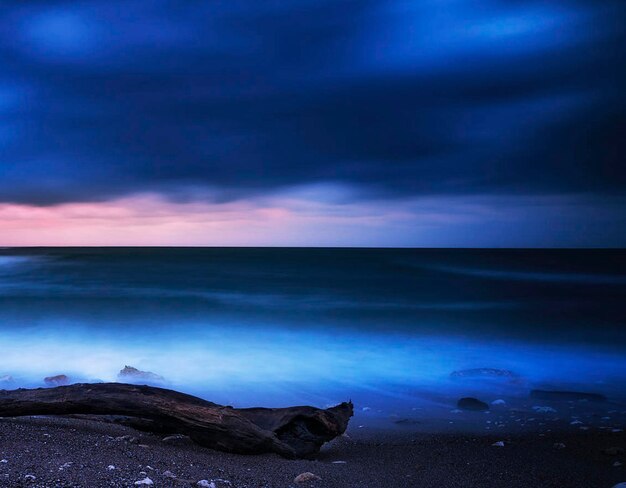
[[282, 326]]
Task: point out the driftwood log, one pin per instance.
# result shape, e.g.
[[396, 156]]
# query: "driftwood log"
[[294, 432]]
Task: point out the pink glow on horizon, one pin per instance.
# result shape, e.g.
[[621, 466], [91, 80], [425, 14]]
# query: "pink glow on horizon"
[[151, 220], [328, 216]]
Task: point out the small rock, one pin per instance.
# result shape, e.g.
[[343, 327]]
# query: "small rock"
[[58, 380], [304, 477], [206, 484], [135, 375], [498, 402], [30, 477], [470, 403], [110, 467], [176, 440], [169, 474], [3, 461], [498, 444], [613, 451], [144, 482]]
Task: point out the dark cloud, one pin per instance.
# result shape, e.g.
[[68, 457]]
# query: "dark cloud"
[[102, 99]]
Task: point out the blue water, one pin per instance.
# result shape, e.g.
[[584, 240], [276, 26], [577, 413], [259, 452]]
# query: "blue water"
[[277, 326]]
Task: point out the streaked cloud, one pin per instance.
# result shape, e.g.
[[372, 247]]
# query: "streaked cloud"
[[230, 102]]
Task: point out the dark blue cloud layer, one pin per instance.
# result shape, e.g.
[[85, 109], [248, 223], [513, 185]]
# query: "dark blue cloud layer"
[[101, 99]]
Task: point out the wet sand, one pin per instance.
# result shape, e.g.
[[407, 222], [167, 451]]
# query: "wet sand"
[[62, 452]]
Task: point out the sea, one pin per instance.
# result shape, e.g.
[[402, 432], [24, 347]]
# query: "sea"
[[387, 328]]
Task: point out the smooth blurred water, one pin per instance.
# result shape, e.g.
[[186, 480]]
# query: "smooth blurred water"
[[276, 326]]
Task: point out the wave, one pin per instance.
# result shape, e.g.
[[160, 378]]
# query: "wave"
[[511, 275]]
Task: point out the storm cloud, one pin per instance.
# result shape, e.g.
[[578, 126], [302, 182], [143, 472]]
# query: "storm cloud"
[[232, 99]]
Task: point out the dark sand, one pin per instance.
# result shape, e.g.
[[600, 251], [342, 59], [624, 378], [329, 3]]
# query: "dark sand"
[[76, 453]]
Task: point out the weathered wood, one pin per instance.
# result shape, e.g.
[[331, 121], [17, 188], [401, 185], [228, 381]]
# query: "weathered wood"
[[293, 432]]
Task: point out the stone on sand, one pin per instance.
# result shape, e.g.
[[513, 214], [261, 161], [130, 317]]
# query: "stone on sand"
[[304, 477], [177, 440], [144, 482], [206, 484]]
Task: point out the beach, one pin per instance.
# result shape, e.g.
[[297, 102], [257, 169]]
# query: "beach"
[[61, 452], [403, 334]]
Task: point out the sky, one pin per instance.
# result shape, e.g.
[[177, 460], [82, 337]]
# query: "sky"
[[437, 123]]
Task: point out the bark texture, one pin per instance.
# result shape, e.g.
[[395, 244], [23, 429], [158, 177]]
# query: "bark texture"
[[293, 432]]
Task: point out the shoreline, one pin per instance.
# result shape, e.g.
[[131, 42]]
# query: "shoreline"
[[77, 453]]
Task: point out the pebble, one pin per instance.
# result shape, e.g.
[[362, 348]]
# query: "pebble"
[[206, 484], [110, 467], [498, 444], [176, 440], [144, 482], [169, 474], [304, 477]]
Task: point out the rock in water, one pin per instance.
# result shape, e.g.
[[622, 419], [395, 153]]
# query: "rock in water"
[[304, 477], [470, 403], [58, 380], [130, 374], [555, 395]]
